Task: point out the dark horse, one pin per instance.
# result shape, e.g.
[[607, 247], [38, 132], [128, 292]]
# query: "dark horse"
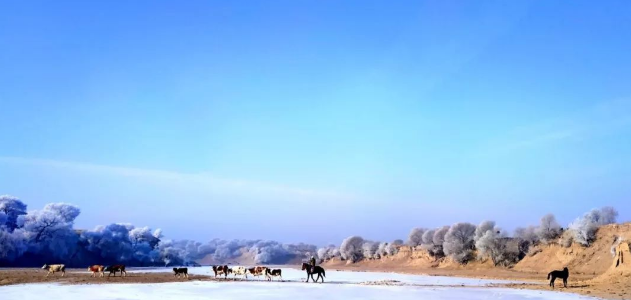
[[559, 274], [316, 270]]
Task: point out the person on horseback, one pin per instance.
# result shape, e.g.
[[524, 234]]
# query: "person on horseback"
[[312, 262]]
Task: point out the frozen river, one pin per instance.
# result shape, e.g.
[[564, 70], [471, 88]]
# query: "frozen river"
[[339, 285]]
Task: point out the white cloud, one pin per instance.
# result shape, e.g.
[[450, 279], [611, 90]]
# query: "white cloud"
[[198, 180]]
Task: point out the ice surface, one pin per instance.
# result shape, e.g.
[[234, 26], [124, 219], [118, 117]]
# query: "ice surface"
[[265, 290], [292, 274]]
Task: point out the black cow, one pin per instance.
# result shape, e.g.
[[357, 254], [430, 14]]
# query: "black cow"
[[116, 268], [269, 273], [180, 272], [221, 270]]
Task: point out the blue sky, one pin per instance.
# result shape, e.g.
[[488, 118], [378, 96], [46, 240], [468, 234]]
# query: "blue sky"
[[248, 119]]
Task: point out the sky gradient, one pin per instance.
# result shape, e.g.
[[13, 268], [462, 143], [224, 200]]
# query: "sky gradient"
[[315, 120]]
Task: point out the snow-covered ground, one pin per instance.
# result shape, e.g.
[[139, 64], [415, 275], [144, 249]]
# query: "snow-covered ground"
[[264, 290]]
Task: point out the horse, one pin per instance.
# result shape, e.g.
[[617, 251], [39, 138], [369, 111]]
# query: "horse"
[[316, 270], [559, 274]]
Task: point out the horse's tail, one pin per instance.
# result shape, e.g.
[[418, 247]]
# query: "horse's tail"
[[549, 275]]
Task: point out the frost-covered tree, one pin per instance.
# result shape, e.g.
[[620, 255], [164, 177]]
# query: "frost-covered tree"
[[50, 229], [439, 236], [459, 242], [416, 237], [483, 228], [3, 220], [351, 248], [269, 251], [369, 249], [382, 249], [11, 207], [585, 227], [427, 241], [111, 242], [327, 253], [525, 238], [528, 234], [495, 245], [486, 239], [12, 245], [393, 248], [549, 229]]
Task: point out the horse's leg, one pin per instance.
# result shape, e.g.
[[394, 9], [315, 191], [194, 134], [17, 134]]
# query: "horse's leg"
[[565, 282], [307, 276]]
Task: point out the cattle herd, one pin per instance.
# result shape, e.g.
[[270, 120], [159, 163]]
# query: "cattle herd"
[[243, 271], [95, 269], [177, 272]]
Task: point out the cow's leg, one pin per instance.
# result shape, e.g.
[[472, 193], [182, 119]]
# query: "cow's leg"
[[63, 273]]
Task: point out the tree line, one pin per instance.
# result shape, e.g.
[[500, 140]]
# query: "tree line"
[[31, 238], [464, 242]]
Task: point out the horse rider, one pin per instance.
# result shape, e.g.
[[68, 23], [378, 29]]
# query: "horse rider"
[[312, 262]]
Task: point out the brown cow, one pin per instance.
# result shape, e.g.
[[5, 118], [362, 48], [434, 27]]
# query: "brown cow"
[[55, 268], [116, 268], [96, 269], [257, 271], [221, 270]]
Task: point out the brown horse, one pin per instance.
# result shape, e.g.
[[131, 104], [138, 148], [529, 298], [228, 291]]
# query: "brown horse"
[[316, 270]]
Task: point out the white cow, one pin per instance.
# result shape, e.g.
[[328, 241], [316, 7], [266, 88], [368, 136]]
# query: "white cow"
[[240, 271], [55, 268]]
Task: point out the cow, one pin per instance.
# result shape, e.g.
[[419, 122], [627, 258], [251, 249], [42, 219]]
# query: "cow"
[[116, 268], [180, 271], [257, 271], [240, 271], [96, 269], [55, 268], [221, 270], [269, 273]]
